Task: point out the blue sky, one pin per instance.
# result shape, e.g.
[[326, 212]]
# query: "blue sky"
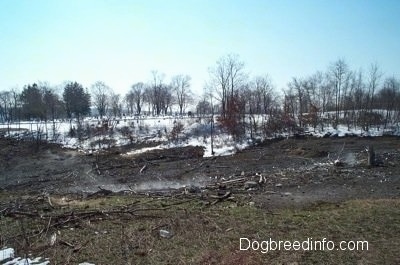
[[121, 42]]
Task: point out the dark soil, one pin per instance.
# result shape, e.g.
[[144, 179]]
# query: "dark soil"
[[295, 172]]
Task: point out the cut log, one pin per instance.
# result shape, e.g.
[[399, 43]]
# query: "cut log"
[[250, 185], [223, 197], [233, 181]]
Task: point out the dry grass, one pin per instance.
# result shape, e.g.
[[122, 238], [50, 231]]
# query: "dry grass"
[[204, 234]]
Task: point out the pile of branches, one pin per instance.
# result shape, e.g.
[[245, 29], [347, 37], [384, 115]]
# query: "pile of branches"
[[47, 218]]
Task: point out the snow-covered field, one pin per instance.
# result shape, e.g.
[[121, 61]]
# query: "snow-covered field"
[[195, 132], [156, 131]]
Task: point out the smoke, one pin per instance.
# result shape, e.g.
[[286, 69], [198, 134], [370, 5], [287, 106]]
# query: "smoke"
[[155, 185], [350, 159], [167, 185]]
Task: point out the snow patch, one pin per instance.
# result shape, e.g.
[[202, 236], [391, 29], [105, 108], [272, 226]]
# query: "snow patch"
[[8, 254]]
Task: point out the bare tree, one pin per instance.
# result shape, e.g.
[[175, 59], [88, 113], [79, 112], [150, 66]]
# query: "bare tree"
[[16, 96], [130, 102], [388, 96], [155, 94], [226, 78], [249, 101], [358, 96], [220, 82], [367, 117], [203, 107], [166, 98], [289, 107], [296, 89], [338, 71], [209, 96], [135, 97], [181, 86], [373, 83], [54, 107], [236, 75], [148, 98], [6, 108], [263, 89], [101, 93], [115, 105], [324, 91]]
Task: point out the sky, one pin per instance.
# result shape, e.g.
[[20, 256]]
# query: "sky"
[[122, 42]]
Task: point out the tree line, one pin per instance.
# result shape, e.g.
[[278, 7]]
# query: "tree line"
[[40, 101], [338, 95], [241, 104]]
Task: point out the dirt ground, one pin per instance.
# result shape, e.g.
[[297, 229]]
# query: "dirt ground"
[[278, 173], [64, 205]]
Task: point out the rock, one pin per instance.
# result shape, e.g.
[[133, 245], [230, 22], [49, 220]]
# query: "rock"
[[165, 233], [250, 185], [338, 163], [278, 185]]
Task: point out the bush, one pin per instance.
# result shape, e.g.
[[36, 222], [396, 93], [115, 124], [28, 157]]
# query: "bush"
[[232, 125], [176, 131], [126, 133], [367, 119]]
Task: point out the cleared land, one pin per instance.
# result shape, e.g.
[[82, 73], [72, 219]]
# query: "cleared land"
[[119, 203]]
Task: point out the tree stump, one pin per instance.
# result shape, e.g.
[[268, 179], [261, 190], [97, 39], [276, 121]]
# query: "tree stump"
[[371, 156]]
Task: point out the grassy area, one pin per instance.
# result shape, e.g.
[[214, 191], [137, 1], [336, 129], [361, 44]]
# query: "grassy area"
[[202, 234]]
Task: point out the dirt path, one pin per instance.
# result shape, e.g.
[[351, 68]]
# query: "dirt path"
[[296, 172]]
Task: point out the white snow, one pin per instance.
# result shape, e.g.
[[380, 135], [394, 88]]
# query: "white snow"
[[149, 129], [8, 253], [342, 130], [144, 150]]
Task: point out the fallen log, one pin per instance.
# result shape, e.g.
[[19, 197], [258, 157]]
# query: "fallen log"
[[233, 180], [220, 198], [100, 193]]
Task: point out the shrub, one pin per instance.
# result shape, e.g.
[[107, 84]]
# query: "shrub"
[[176, 131]]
